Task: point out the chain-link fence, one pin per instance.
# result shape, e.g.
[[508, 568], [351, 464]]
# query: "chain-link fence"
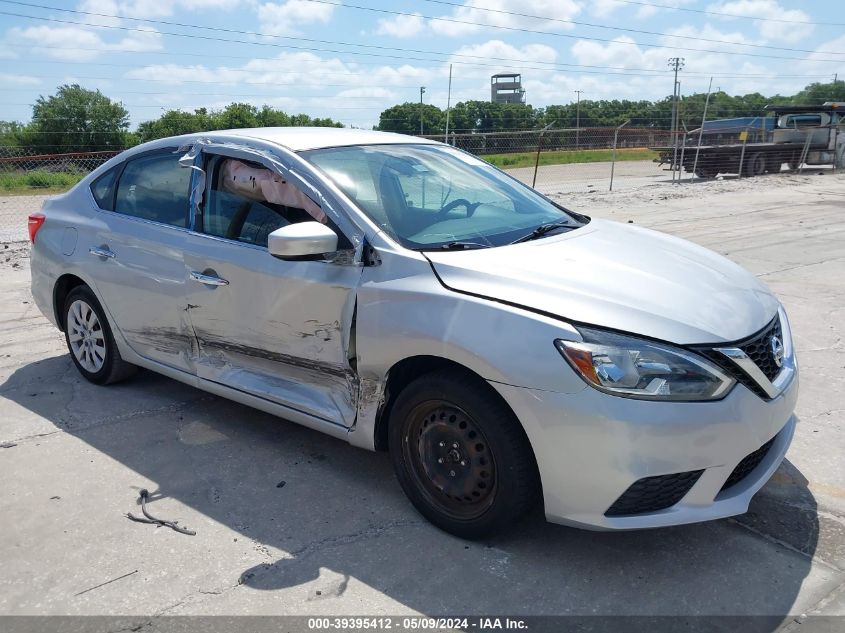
[[560, 161], [28, 176]]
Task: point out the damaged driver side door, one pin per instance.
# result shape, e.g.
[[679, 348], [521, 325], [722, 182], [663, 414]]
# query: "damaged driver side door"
[[271, 328]]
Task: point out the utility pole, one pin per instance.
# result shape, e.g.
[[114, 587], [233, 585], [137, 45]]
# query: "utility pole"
[[676, 64], [448, 103], [422, 91], [578, 119]]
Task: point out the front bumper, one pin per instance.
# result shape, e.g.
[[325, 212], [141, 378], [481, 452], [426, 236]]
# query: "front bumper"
[[591, 447]]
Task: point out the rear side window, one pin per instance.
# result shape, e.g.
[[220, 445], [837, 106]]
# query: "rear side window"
[[103, 189], [155, 188]]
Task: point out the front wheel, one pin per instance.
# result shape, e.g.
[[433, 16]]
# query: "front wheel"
[[461, 456], [756, 165], [89, 339]]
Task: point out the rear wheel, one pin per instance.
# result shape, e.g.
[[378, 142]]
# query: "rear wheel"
[[755, 165], [773, 165], [89, 339], [461, 456]]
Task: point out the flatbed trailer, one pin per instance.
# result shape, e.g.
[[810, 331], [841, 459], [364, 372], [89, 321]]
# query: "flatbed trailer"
[[810, 135], [750, 159]]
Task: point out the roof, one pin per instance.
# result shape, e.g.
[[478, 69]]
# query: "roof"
[[303, 138], [785, 109]]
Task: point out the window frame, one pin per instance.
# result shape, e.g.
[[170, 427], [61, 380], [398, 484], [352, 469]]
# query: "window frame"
[[197, 227], [121, 167], [117, 170]]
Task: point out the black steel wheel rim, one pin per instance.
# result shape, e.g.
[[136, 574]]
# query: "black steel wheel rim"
[[450, 460]]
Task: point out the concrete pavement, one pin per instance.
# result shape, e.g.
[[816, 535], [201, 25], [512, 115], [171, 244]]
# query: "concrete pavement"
[[289, 521]]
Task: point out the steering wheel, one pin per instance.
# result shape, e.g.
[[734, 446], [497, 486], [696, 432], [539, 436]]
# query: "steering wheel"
[[459, 202]]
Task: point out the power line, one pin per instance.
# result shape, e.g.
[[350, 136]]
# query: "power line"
[[626, 70], [720, 13], [559, 20], [311, 49], [449, 55]]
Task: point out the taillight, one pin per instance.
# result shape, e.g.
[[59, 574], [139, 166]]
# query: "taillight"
[[36, 221]]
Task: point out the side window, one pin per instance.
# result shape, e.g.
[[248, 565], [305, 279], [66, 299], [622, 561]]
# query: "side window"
[[246, 202], [103, 189], [156, 188]]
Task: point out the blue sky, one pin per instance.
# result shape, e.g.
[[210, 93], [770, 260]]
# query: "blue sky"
[[350, 59]]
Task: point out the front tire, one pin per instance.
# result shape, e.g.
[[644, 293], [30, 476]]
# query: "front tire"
[[756, 165], [90, 341], [461, 456]]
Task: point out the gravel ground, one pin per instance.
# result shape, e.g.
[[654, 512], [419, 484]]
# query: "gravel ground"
[[339, 538]]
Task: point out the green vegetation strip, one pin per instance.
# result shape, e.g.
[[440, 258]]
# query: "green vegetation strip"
[[35, 182], [566, 157]]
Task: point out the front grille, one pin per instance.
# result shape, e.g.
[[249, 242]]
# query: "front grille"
[[748, 463], [653, 493], [758, 347]]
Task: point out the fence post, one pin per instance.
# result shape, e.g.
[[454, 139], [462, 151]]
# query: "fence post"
[[805, 152], [539, 147], [613, 162], [742, 153]]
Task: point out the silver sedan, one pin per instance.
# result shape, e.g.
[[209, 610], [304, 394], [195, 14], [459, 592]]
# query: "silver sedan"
[[405, 296]]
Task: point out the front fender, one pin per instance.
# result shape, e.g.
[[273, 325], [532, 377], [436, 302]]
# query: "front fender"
[[400, 317]]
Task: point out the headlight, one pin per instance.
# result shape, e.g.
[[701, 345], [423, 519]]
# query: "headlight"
[[637, 368]]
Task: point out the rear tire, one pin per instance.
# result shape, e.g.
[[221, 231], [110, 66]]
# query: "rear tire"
[[90, 341], [756, 165], [773, 166], [461, 456]]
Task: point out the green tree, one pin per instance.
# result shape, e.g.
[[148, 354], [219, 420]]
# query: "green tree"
[[175, 122], [237, 115], [233, 116], [12, 134], [76, 119], [818, 93], [405, 119]]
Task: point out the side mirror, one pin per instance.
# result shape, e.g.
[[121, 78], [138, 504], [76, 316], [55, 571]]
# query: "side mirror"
[[302, 240]]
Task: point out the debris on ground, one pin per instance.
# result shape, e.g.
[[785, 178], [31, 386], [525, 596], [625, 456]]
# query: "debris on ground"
[[173, 525]]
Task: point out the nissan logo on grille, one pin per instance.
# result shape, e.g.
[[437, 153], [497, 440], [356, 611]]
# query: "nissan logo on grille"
[[777, 350]]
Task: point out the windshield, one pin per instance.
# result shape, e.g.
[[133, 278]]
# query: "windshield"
[[433, 196]]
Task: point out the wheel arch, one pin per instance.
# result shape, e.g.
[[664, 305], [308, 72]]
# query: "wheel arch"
[[404, 372], [61, 289]]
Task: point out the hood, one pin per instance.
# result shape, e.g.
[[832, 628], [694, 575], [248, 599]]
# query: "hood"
[[621, 277]]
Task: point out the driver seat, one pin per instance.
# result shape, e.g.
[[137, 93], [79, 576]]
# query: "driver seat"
[[393, 200]]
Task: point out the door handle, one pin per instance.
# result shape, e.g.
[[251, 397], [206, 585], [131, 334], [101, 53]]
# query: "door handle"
[[102, 251], [208, 280]]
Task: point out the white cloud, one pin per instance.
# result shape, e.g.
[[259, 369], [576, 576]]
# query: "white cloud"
[[151, 8], [788, 32], [290, 69], [21, 80], [603, 8], [472, 16], [498, 50], [284, 18], [401, 25], [67, 42]]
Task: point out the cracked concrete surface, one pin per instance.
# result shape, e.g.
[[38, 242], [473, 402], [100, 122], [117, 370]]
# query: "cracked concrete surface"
[[339, 537]]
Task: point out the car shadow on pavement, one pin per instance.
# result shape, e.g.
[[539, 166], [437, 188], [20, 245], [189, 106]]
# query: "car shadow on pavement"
[[326, 514]]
